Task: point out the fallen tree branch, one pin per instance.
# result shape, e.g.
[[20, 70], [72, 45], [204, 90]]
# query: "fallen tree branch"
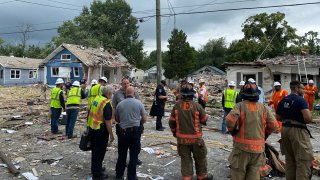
[[11, 167]]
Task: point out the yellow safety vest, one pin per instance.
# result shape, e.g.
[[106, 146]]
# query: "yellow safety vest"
[[94, 91], [230, 96], [95, 117], [74, 96], [55, 98]]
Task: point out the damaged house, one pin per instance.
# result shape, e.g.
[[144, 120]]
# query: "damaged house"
[[76, 62], [205, 71], [20, 71], [283, 69]]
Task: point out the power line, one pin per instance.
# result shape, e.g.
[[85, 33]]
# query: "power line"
[[39, 4], [64, 3], [149, 11], [17, 26], [234, 9], [7, 2], [36, 30]]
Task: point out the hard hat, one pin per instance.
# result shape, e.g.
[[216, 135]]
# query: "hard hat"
[[76, 83], [191, 82], [187, 92], [310, 81], [59, 81], [276, 84], [241, 83], [251, 80], [94, 82], [104, 79], [251, 91], [232, 83], [201, 80]]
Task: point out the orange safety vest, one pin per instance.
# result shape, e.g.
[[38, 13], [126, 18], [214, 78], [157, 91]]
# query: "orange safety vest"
[[206, 94], [252, 123]]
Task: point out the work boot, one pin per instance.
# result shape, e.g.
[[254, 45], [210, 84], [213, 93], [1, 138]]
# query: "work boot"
[[101, 177], [71, 137], [139, 162], [160, 129], [210, 176]]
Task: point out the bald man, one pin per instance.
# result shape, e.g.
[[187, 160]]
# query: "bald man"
[[130, 113]]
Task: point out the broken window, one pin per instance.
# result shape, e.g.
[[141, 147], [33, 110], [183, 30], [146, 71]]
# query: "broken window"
[[76, 72], [15, 74], [65, 56], [32, 74], [55, 71]]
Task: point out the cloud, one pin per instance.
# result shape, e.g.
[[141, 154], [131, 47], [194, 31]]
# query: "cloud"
[[198, 27]]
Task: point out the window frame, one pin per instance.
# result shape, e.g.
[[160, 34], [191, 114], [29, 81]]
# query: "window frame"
[[74, 71], [15, 70], [52, 75], [34, 73], [62, 59], [1, 73]]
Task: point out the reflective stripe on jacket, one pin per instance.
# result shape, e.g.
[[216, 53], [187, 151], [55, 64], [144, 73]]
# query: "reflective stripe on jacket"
[[74, 96], [55, 98], [94, 91], [251, 119], [185, 121], [230, 96], [95, 117]]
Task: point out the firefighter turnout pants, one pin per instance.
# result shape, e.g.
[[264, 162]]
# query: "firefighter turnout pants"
[[296, 146], [245, 165], [199, 153]]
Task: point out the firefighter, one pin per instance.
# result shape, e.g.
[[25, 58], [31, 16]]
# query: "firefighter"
[[247, 122], [228, 102], [310, 91], [295, 137], [202, 94], [185, 123], [277, 96]]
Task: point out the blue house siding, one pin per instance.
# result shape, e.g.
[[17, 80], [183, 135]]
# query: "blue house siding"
[[57, 62], [23, 79]]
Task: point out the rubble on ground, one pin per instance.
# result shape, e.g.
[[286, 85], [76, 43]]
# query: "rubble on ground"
[[26, 140]]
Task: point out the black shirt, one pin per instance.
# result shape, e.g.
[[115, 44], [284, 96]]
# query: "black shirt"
[[290, 108], [160, 92], [107, 112]]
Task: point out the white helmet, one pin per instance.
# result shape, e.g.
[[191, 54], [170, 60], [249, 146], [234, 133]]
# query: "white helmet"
[[94, 82], [232, 84], [201, 80], [310, 81], [59, 81], [191, 82], [276, 84], [251, 80], [76, 83], [104, 79], [242, 83]]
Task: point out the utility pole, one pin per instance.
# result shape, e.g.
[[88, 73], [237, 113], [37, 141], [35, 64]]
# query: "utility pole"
[[158, 27]]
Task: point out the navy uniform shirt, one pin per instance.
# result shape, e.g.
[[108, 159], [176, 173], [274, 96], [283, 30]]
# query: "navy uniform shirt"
[[290, 108], [160, 92]]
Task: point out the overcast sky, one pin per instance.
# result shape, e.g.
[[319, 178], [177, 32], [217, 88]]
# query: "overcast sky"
[[199, 27]]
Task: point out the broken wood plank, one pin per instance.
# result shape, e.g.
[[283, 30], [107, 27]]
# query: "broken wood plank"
[[7, 161]]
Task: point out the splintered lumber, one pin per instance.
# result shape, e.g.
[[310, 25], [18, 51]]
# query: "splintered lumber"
[[6, 160]]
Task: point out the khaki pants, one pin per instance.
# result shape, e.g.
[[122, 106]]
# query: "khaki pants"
[[297, 148], [245, 165], [199, 153]]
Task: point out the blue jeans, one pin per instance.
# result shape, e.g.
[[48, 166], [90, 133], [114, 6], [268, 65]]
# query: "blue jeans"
[[128, 140], [72, 115], [55, 115], [224, 125]]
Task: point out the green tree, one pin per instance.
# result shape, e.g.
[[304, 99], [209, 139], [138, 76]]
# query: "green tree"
[[243, 50], [181, 56], [212, 53], [311, 42], [108, 24], [269, 28]]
